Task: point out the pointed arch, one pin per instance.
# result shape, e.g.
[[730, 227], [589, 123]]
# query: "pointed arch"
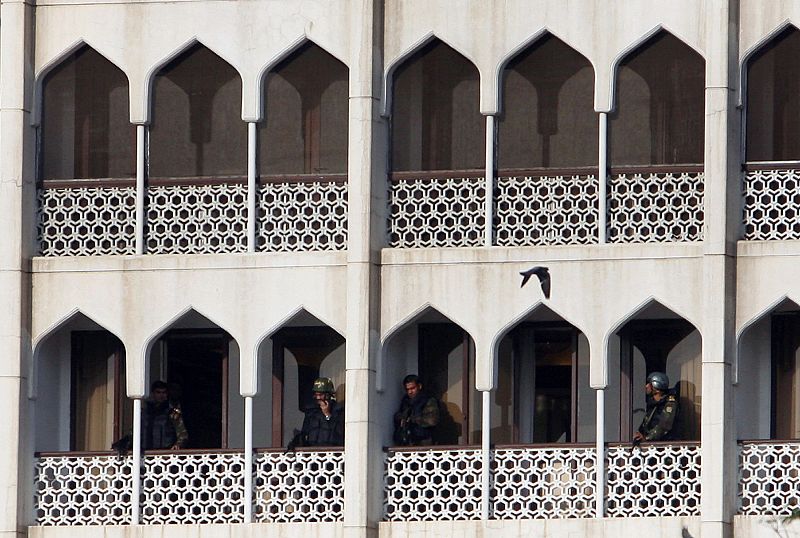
[[389, 71], [639, 309], [305, 98], [539, 306], [659, 108], [82, 102], [548, 89], [170, 323], [770, 84], [752, 51]]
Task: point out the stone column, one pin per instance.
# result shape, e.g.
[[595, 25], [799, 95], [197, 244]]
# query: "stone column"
[[722, 219], [367, 150], [17, 211]]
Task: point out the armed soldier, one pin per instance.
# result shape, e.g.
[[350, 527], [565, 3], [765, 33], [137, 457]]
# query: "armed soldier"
[[323, 424], [417, 417], [662, 408]]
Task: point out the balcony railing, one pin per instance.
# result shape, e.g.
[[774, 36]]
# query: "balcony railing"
[[656, 204], [192, 215], [769, 472], [189, 487], [771, 201]]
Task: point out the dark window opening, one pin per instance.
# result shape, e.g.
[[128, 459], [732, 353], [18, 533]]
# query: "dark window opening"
[[660, 116], [195, 364], [785, 417], [306, 115], [100, 412], [660, 345], [86, 131], [548, 109], [299, 356], [773, 100], [446, 359], [436, 121], [197, 128]]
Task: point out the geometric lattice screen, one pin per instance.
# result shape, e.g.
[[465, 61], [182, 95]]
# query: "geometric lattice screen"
[[553, 210], [769, 478], [771, 205], [655, 207]]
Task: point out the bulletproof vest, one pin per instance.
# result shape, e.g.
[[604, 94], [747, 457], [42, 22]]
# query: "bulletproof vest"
[[158, 430]]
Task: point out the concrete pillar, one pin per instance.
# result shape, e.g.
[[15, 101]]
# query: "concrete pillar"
[[367, 152], [722, 222], [16, 207]]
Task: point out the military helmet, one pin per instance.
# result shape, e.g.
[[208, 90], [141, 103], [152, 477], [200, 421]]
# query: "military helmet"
[[658, 380], [323, 384]]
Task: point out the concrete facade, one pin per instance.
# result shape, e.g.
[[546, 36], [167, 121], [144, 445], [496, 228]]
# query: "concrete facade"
[[369, 293]]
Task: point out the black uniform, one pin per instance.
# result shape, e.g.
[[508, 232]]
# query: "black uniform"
[[162, 426], [319, 430], [659, 418]]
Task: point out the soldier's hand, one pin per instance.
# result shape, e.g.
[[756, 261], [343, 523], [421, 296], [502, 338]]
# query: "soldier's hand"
[[325, 407]]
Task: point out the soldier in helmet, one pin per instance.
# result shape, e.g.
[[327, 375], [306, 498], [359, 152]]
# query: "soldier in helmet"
[[324, 421], [662, 408]]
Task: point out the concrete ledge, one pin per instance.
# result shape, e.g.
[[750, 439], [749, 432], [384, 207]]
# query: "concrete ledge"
[[662, 527], [273, 530]]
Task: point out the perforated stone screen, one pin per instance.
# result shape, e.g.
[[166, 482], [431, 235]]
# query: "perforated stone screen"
[[190, 488], [769, 474], [432, 485], [653, 480], [86, 221], [771, 205], [299, 487], [82, 490], [196, 219], [302, 216], [427, 212], [543, 483], [546, 210], [655, 207]]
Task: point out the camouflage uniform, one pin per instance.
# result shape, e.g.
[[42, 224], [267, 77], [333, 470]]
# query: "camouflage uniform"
[[659, 418], [415, 420], [162, 426]]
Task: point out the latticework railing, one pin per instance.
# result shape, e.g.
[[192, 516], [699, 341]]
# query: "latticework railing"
[[302, 215], [196, 219], [769, 474], [82, 490], [432, 485], [771, 205], [300, 486], [556, 209], [192, 488], [86, 221], [432, 210], [543, 483], [653, 480], [656, 207]]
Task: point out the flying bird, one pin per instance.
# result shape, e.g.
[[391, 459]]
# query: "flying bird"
[[544, 278]]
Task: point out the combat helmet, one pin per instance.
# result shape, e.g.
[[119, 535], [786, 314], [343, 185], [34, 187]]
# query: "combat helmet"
[[659, 381], [323, 384]]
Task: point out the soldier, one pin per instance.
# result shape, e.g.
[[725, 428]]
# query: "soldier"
[[162, 424], [417, 417], [662, 408], [323, 424]]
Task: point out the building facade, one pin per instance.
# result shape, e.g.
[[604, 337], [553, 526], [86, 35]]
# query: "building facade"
[[239, 196]]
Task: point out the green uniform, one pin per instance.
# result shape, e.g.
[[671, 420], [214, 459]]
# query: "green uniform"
[[659, 419]]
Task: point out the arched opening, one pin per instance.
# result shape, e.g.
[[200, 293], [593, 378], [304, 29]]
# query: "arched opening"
[[548, 116], [773, 100], [436, 122], [654, 340], [199, 361], [659, 118], [81, 403], [85, 131], [543, 393], [768, 391], [547, 150], [197, 130], [303, 349], [442, 354], [306, 112]]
